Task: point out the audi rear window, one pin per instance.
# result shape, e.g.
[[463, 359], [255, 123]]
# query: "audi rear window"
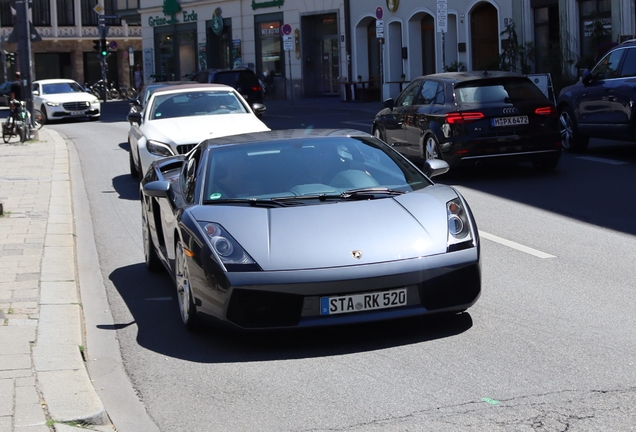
[[497, 91]]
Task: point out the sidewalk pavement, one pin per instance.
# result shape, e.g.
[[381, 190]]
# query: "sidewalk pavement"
[[44, 384], [44, 380]]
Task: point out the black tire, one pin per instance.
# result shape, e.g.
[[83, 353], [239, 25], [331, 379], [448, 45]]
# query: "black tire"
[[185, 300], [113, 94], [430, 148], [545, 164], [134, 172], [378, 134], [153, 263], [571, 140], [45, 118], [38, 119]]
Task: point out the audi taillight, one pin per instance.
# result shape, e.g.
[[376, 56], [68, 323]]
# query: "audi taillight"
[[548, 111], [463, 117]]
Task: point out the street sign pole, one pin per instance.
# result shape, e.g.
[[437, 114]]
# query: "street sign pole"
[[24, 51], [103, 31]]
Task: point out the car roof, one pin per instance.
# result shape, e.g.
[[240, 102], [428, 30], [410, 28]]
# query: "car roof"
[[54, 81], [190, 86], [283, 134], [471, 75]]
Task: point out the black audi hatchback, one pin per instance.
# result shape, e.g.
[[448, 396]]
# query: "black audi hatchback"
[[472, 118]]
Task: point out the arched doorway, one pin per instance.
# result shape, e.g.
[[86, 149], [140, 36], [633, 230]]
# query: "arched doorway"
[[484, 36], [428, 45]]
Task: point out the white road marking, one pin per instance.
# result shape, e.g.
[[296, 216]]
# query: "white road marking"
[[601, 160], [514, 245]]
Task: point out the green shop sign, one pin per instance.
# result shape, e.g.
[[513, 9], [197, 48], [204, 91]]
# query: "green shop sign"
[[217, 22], [267, 4], [159, 21]]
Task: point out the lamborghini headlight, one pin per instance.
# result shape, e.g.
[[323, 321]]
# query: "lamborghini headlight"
[[459, 231], [159, 149], [224, 246]]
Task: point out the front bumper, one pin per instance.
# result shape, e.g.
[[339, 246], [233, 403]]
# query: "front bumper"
[[257, 300]]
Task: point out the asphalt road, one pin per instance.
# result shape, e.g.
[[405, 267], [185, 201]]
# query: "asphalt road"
[[548, 347]]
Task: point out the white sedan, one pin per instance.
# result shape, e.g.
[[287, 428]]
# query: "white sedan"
[[64, 98], [177, 118]]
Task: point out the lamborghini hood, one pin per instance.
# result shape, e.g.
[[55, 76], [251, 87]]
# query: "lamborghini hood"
[[337, 234]]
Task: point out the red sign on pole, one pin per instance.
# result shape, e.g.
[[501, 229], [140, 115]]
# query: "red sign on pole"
[[379, 13], [287, 29]]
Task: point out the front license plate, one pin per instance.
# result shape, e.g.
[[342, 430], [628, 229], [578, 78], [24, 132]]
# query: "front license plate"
[[362, 302], [510, 121], [78, 112]]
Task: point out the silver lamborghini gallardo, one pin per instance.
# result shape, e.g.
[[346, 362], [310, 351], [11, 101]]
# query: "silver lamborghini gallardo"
[[296, 228]]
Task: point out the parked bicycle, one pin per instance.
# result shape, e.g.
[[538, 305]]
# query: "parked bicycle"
[[97, 89], [21, 122]]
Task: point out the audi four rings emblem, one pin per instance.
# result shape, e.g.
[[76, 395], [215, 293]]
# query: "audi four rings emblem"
[[356, 254], [509, 110]]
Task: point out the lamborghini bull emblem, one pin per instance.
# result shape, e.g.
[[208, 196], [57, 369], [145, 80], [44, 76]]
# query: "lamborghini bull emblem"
[[356, 254]]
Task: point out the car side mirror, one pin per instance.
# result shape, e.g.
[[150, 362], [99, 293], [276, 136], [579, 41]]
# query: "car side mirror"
[[388, 103], [134, 117], [435, 167], [259, 109], [157, 189], [36, 93], [587, 77]]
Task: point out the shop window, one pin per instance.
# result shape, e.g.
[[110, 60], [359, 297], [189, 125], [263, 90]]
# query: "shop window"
[[270, 47]]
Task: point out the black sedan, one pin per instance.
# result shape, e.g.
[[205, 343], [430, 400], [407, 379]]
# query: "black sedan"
[[297, 228], [471, 118]]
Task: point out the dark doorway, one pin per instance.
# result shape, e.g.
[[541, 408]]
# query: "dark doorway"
[[484, 31], [321, 65]]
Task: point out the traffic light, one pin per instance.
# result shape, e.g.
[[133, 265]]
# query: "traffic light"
[[103, 47], [96, 45], [11, 58]]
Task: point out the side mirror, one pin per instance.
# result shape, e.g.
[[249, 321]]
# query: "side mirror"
[[388, 103], [36, 93], [587, 77], [435, 167], [134, 117], [259, 109], [157, 189]]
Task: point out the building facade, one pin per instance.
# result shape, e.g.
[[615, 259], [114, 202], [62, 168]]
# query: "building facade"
[[63, 47]]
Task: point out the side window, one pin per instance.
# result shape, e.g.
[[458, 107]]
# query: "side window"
[[629, 64], [189, 176], [428, 93], [409, 95], [607, 67], [439, 97]]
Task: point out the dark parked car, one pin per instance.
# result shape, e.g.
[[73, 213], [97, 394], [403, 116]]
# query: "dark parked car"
[[296, 228], [244, 80], [603, 103], [470, 118]]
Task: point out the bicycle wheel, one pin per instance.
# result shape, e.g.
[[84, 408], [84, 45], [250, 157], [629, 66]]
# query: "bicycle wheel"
[[38, 119], [6, 131], [113, 94]]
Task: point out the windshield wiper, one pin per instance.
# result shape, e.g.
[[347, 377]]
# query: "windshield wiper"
[[370, 192], [255, 202]]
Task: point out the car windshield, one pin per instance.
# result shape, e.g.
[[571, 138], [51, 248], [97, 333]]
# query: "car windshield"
[[309, 168], [195, 103], [66, 87], [497, 91]]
